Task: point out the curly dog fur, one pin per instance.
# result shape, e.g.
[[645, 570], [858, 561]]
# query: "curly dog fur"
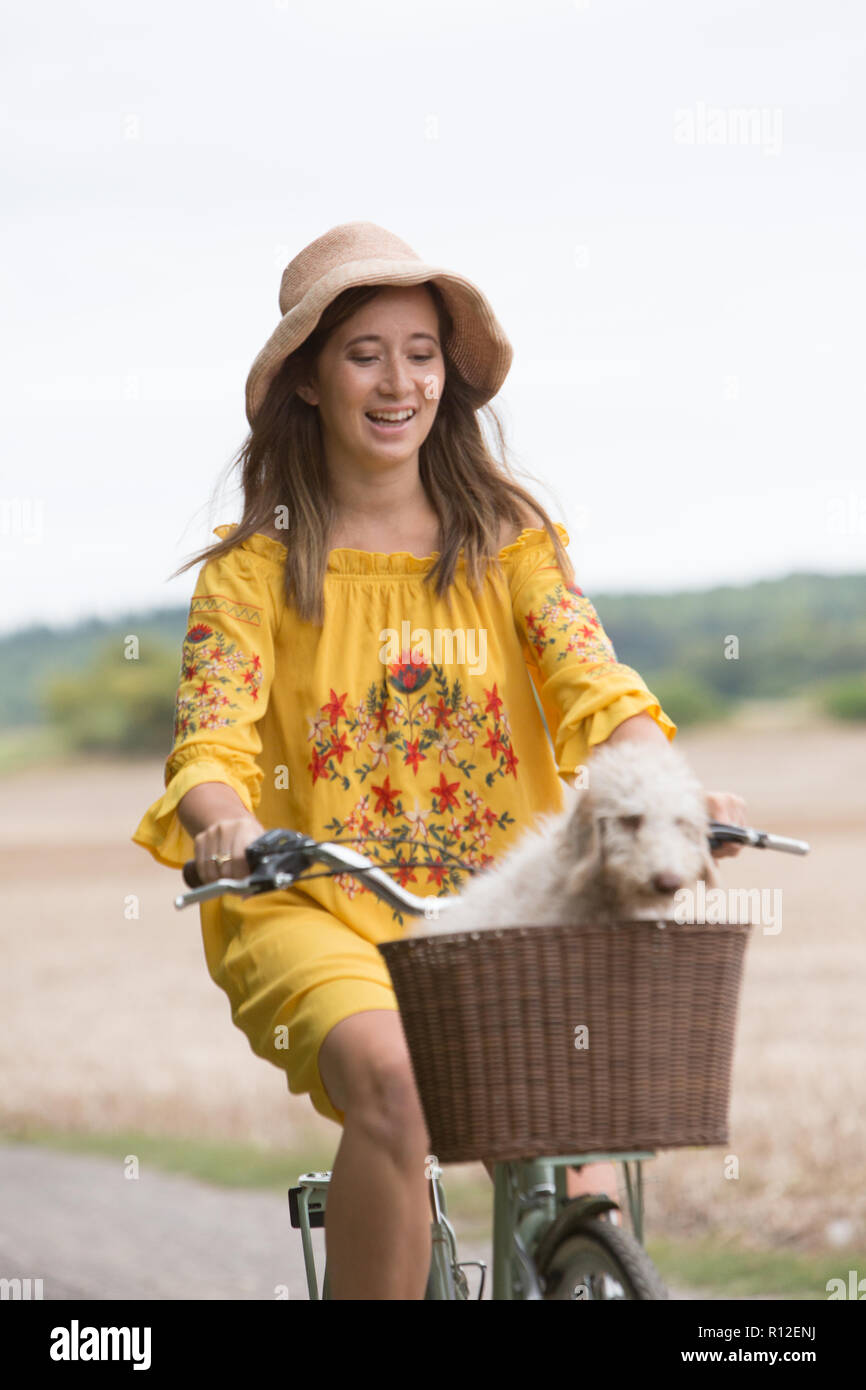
[[631, 835]]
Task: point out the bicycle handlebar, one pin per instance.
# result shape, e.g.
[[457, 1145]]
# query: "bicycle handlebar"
[[279, 857]]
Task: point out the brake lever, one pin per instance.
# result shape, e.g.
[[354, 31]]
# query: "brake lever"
[[276, 853], [291, 845], [721, 834]]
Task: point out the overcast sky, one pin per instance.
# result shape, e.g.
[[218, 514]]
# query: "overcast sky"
[[664, 204]]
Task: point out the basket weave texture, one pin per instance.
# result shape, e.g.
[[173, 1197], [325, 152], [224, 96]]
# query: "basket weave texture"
[[493, 1022]]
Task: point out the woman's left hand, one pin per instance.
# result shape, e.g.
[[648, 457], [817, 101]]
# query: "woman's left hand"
[[730, 808]]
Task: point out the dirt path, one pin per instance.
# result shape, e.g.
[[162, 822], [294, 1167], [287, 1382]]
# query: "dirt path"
[[76, 1223]]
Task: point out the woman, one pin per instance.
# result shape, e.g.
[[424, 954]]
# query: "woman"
[[336, 681]]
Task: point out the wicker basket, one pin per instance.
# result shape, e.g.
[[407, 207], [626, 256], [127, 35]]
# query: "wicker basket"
[[493, 1020]]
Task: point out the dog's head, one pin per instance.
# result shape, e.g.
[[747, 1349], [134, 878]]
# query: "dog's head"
[[638, 830]]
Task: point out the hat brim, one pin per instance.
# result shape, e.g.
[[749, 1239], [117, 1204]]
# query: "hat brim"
[[478, 346]]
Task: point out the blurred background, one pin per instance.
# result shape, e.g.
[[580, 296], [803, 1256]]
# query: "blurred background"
[[665, 206]]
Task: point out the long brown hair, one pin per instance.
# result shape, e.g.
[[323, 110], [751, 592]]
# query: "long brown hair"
[[283, 465]]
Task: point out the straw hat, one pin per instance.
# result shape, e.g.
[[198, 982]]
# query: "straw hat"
[[360, 253]]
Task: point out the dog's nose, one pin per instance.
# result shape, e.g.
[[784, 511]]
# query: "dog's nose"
[[666, 883]]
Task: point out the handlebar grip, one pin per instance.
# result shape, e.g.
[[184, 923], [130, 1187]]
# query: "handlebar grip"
[[190, 874]]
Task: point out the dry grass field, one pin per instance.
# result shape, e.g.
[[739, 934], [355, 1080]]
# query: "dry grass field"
[[113, 1024]]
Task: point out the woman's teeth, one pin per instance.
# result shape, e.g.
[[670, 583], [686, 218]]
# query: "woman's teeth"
[[390, 417]]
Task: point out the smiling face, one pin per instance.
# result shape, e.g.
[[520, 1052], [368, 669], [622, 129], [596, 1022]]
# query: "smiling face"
[[386, 358]]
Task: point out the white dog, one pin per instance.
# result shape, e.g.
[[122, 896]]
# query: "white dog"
[[625, 843]]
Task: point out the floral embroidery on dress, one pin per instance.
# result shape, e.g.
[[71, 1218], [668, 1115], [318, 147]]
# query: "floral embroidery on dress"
[[567, 620], [410, 743], [220, 669]]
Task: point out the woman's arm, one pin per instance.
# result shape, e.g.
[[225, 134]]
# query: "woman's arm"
[[213, 771], [582, 687], [639, 727], [218, 822], [209, 802], [721, 806]]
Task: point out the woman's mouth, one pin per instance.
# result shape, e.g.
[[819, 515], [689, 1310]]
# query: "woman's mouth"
[[390, 421]]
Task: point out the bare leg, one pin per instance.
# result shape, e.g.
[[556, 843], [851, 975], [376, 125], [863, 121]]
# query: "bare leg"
[[377, 1222]]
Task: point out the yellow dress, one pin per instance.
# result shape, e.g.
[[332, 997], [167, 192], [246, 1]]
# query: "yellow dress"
[[411, 729]]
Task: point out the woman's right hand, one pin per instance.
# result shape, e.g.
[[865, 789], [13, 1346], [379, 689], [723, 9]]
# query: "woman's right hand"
[[229, 836]]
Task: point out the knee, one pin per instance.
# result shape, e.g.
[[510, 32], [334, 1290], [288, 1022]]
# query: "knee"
[[385, 1104]]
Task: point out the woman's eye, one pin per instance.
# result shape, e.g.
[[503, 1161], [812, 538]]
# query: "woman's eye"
[[428, 358]]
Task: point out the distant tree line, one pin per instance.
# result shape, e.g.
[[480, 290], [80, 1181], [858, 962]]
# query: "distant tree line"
[[701, 654]]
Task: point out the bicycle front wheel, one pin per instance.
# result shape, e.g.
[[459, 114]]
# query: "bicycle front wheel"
[[602, 1262]]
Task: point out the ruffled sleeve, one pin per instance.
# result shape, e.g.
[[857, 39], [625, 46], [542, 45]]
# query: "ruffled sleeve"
[[585, 692], [224, 683]]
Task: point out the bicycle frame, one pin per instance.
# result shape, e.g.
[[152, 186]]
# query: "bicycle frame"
[[528, 1197]]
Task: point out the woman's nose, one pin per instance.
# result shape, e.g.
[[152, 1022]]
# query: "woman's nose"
[[396, 377]]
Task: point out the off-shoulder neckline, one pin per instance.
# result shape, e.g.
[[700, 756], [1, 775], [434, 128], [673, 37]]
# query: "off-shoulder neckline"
[[347, 560]]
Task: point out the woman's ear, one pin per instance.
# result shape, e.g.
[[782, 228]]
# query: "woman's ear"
[[308, 390]]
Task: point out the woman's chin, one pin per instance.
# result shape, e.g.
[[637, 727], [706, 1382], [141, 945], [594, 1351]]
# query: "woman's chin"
[[400, 447]]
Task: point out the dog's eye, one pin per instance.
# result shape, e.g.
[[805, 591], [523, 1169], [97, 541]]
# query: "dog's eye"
[[631, 822]]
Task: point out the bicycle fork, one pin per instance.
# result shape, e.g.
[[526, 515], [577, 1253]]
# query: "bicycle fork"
[[532, 1211], [446, 1279]]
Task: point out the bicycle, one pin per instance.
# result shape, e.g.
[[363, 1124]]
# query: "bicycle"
[[547, 1245]]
